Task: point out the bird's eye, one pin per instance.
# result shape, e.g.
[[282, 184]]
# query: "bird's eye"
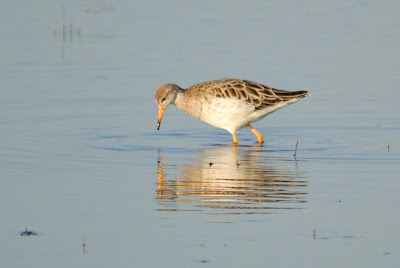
[[163, 100]]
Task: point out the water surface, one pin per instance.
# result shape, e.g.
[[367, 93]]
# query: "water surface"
[[81, 160]]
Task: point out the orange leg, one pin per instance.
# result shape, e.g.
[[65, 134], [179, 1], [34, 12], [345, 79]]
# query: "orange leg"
[[258, 134], [235, 141]]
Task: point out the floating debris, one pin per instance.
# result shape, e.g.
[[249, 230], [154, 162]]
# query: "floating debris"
[[27, 233], [211, 164]]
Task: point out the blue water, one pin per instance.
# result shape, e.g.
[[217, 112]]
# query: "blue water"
[[81, 160]]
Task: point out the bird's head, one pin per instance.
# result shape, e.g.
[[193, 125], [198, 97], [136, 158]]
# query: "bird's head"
[[165, 96]]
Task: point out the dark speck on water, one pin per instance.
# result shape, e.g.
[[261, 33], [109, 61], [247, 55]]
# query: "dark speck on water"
[[27, 233]]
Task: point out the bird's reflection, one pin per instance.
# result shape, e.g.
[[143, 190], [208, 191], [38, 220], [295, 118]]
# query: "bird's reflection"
[[231, 180]]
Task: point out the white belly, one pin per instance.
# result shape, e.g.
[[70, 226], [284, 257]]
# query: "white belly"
[[230, 114]]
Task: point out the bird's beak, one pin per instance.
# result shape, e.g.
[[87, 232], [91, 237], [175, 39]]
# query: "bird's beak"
[[160, 115]]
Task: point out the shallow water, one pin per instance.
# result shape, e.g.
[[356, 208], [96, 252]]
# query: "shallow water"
[[81, 159]]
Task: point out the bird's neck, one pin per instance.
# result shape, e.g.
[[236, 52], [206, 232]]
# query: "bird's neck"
[[181, 100], [190, 103]]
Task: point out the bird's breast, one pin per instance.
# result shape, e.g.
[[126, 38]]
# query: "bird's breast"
[[230, 114]]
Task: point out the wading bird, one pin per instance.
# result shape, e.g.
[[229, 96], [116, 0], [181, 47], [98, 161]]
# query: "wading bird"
[[230, 104]]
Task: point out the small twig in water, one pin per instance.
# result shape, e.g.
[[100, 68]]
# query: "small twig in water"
[[80, 23], [70, 28], [295, 150], [388, 146], [63, 22], [84, 246]]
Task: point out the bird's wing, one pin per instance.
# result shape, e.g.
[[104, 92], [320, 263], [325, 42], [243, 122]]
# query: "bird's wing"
[[258, 95], [254, 94]]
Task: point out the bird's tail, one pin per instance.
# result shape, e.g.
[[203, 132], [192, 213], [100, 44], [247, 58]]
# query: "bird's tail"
[[290, 95]]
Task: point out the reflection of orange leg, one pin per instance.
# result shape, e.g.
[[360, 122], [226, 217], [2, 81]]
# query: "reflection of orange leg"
[[235, 141], [160, 170], [258, 134], [161, 174]]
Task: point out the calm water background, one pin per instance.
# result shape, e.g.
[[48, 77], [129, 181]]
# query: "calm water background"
[[80, 155]]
